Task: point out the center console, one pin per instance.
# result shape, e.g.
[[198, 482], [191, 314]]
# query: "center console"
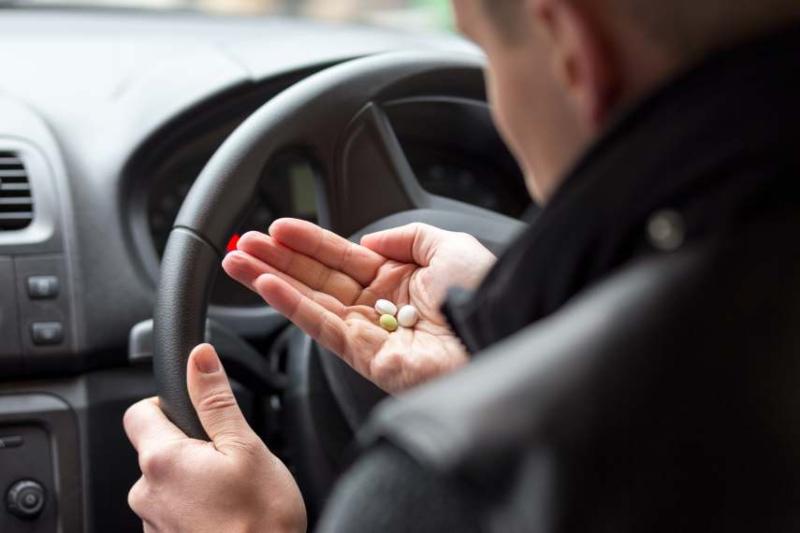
[[39, 465], [40, 454]]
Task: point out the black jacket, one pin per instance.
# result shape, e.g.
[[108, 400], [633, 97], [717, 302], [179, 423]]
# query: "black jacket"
[[638, 348]]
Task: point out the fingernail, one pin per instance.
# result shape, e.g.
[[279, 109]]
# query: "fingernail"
[[206, 360]]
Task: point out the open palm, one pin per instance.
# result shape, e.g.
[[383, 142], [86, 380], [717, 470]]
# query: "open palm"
[[328, 286]]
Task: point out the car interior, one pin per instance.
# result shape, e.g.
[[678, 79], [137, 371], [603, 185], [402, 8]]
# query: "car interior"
[[136, 146]]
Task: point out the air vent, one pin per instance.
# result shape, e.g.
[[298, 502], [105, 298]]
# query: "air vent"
[[16, 202]]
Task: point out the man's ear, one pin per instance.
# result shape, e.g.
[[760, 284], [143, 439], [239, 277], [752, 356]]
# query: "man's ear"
[[580, 56]]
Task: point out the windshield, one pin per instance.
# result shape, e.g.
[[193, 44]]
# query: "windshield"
[[417, 14]]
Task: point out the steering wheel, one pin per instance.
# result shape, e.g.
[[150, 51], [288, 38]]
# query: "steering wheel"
[[338, 118]]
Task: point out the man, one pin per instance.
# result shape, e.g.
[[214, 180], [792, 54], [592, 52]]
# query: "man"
[[655, 390]]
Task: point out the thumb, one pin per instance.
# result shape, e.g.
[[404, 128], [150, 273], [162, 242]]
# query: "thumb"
[[412, 243], [214, 401]]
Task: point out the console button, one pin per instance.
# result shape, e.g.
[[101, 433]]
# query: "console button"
[[47, 333], [25, 499], [43, 287]]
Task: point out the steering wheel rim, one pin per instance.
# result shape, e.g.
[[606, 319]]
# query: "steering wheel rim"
[[311, 115]]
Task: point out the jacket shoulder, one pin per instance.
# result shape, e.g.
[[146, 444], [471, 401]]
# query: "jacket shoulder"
[[634, 383]]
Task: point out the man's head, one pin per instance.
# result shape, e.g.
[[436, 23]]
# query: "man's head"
[[559, 69]]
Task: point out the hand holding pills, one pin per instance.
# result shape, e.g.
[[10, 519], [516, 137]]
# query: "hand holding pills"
[[375, 304]]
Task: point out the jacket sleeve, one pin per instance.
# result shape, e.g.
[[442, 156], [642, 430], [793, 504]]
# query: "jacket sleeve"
[[387, 491]]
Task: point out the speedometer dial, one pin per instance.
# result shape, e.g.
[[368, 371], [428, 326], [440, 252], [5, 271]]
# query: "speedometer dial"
[[287, 189]]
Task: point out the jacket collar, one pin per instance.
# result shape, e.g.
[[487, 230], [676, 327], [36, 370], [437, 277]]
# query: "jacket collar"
[[712, 149]]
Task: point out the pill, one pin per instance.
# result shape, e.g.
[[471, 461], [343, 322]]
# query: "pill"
[[407, 316], [385, 307], [389, 323]]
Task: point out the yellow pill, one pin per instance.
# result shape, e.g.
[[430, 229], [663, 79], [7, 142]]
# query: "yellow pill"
[[389, 323]]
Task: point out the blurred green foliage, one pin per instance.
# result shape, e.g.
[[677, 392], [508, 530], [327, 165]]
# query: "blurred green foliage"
[[440, 10]]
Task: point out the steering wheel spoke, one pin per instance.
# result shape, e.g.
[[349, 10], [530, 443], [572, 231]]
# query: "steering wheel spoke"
[[369, 148]]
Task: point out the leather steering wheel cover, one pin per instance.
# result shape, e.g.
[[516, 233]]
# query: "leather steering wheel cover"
[[306, 114], [187, 273]]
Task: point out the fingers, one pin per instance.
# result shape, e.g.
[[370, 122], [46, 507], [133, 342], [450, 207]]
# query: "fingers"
[[245, 269], [322, 325], [146, 423], [413, 243], [328, 248], [213, 399], [302, 268]]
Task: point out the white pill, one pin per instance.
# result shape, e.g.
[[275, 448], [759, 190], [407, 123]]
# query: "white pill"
[[408, 316], [385, 307]]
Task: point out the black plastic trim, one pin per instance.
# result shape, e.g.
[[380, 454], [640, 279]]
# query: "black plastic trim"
[[58, 419]]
